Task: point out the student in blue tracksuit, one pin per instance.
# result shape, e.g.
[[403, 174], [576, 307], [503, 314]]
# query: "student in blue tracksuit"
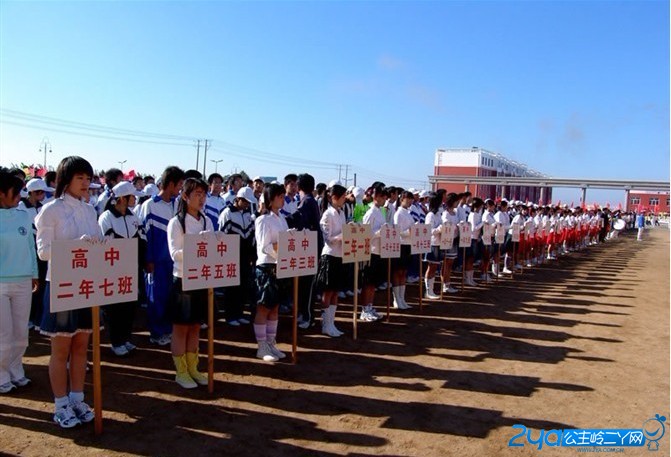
[[155, 215], [214, 204]]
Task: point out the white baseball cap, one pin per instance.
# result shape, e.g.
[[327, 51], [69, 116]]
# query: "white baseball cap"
[[333, 182], [357, 192], [423, 194], [150, 189], [258, 178], [125, 188], [38, 184], [246, 193]]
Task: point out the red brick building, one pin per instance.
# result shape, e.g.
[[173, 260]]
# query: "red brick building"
[[480, 162], [657, 202]]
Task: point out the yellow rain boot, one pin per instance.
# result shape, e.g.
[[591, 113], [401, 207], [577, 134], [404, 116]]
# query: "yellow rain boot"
[[192, 366], [182, 377]]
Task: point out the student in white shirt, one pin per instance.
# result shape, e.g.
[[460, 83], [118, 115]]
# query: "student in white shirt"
[[434, 257], [375, 272], [214, 204], [473, 252], [404, 222], [450, 255], [67, 217], [489, 249], [331, 272], [268, 227], [187, 310], [503, 221]]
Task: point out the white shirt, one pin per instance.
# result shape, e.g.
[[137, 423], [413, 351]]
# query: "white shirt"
[[376, 220], [502, 218], [517, 220], [475, 219], [176, 238], [64, 218], [268, 228], [404, 221], [331, 224], [433, 221]]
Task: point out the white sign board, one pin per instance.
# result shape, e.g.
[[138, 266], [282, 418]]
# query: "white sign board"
[[390, 242], [93, 273], [211, 260], [447, 232], [499, 234], [356, 243], [464, 235], [297, 253], [487, 234], [516, 233], [421, 239]]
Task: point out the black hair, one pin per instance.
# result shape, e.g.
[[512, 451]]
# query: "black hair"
[[172, 175], [321, 187], [337, 191], [112, 175], [9, 181], [407, 194], [137, 178], [477, 203], [50, 177], [232, 178], [452, 198], [306, 183], [67, 169], [149, 179], [270, 191], [112, 201], [435, 202], [378, 189], [190, 184], [16, 171], [191, 174], [291, 177], [213, 176]]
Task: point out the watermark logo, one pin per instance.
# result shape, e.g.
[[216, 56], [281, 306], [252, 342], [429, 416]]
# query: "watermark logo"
[[652, 431]]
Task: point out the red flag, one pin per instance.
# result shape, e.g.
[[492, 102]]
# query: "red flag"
[[129, 176], [41, 172]]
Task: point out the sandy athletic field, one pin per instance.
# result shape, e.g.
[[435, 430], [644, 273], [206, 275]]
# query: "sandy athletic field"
[[581, 342]]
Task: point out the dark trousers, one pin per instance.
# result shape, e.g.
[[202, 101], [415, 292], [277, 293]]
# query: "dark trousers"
[[306, 286], [119, 320]]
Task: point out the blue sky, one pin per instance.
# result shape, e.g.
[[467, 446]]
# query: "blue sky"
[[573, 89]]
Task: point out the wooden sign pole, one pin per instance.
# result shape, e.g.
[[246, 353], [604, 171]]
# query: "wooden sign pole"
[[294, 342], [210, 340], [463, 271], [356, 297], [388, 287], [97, 382], [421, 280]]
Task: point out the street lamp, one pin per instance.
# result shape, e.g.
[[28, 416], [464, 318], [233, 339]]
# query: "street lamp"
[[43, 148], [216, 163], [121, 163]]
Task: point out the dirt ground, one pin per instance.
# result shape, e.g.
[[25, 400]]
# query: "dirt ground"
[[582, 342]]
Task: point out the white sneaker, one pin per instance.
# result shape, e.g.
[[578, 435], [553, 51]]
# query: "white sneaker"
[[22, 382], [431, 296], [265, 353], [130, 346], [365, 316], [412, 280], [507, 271], [162, 340], [374, 312], [349, 293], [66, 417], [120, 351], [243, 321], [448, 289], [382, 286], [7, 388], [341, 295], [276, 352], [529, 265]]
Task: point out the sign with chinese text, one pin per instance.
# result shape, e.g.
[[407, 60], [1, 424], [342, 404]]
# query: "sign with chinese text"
[[87, 273], [499, 234], [515, 237], [487, 234], [356, 243], [464, 235], [390, 242], [448, 230], [420, 241], [297, 253], [211, 260]]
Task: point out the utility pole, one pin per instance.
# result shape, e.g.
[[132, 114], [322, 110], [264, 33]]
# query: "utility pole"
[[205, 157], [354, 184], [339, 169], [121, 164], [346, 175], [197, 154]]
